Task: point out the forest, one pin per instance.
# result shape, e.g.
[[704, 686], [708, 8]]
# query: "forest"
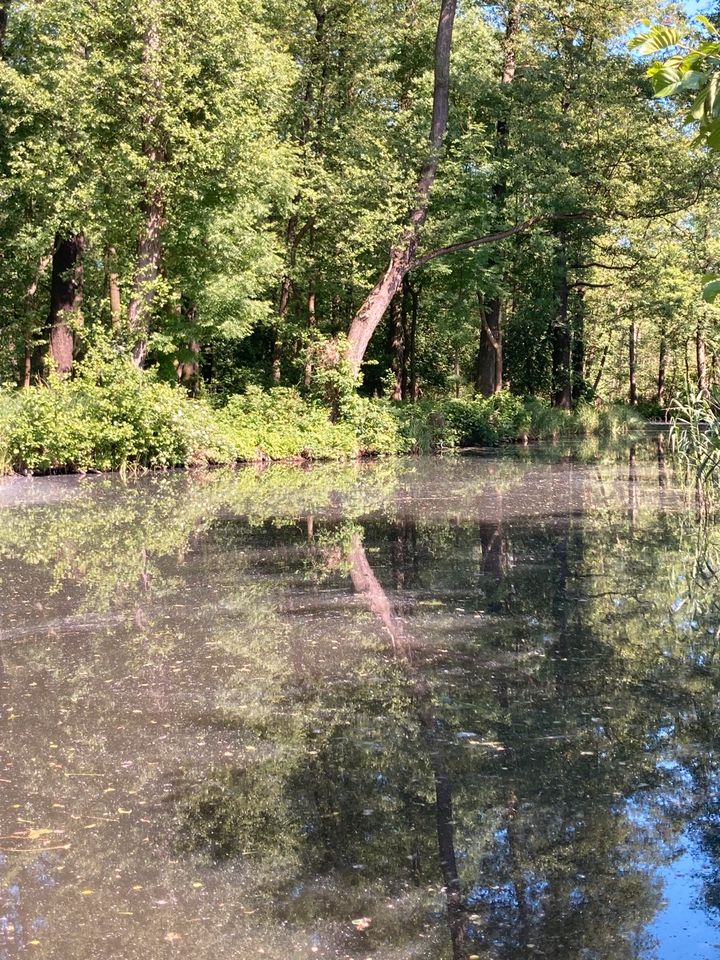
[[384, 226], [399, 707]]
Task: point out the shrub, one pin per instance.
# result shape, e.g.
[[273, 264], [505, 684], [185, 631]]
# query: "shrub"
[[112, 416], [375, 424], [278, 425], [109, 417], [429, 426]]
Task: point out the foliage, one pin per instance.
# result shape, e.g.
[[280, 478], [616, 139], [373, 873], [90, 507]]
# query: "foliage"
[[695, 434], [278, 145], [505, 418], [279, 424], [111, 416]]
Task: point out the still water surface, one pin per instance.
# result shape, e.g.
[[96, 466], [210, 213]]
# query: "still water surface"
[[435, 708]]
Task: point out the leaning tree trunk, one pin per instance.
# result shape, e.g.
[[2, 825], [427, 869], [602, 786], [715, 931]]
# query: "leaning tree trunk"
[[65, 300], [150, 248], [490, 356], [370, 314]]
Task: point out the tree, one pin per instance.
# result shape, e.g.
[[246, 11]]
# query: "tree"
[[402, 255]]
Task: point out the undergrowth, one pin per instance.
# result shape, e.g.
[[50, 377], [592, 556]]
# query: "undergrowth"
[[111, 416]]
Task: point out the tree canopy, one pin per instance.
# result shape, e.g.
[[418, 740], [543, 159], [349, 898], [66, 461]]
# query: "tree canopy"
[[214, 190]]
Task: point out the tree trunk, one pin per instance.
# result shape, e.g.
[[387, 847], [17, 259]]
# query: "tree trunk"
[[65, 300], [561, 335], [490, 357], [404, 316], [601, 368], [27, 365], [29, 348], [415, 305], [397, 346], [149, 250], [188, 369], [578, 347], [276, 357], [370, 314], [113, 287], [312, 326], [701, 356], [4, 7], [662, 369], [146, 276], [632, 345]]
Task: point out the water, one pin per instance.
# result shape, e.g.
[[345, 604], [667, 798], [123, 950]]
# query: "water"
[[437, 708]]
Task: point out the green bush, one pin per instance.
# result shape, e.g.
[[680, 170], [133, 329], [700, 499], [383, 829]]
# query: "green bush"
[[375, 424], [109, 417], [279, 424], [112, 416], [432, 427]]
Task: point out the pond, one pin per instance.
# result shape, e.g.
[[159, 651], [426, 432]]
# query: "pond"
[[429, 708]]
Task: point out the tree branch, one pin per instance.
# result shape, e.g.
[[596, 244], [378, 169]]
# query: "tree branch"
[[493, 237]]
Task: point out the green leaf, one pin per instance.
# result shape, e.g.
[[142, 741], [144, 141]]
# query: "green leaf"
[[693, 80], [659, 38], [711, 291], [665, 80], [697, 110], [708, 24], [710, 135]]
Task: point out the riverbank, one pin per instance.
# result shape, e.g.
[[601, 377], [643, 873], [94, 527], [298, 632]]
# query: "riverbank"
[[119, 418]]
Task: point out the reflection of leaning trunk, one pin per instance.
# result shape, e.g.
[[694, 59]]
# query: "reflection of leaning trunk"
[[369, 588]]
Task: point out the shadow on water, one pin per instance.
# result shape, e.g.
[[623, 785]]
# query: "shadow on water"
[[460, 707]]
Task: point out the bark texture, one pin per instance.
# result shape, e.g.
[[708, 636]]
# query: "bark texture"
[[65, 300], [701, 357], [402, 254], [4, 6], [113, 283], [490, 354], [561, 334], [632, 353]]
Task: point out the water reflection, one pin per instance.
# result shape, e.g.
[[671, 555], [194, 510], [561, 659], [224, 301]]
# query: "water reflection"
[[435, 708]]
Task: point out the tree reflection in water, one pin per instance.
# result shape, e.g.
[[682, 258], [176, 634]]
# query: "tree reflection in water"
[[475, 697]]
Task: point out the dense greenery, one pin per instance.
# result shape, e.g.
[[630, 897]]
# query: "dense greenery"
[[213, 189], [112, 416]]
